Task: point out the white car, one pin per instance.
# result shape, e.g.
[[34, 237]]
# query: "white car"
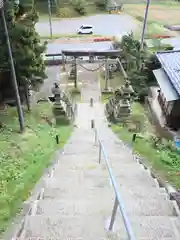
[[85, 29]]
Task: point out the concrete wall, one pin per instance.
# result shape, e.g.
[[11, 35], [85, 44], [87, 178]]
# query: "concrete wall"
[[163, 132]]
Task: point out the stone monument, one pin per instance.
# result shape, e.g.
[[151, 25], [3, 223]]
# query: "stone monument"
[[120, 107], [123, 109], [58, 110], [127, 91]]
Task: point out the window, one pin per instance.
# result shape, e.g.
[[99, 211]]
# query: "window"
[[86, 27]]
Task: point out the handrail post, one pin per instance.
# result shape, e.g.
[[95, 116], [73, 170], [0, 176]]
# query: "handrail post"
[[95, 139], [99, 152], [92, 123], [113, 214], [118, 201], [91, 102]]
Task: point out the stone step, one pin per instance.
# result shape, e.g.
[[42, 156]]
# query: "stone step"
[[79, 181], [76, 180], [134, 207], [82, 140], [75, 208], [72, 162], [149, 206], [92, 227], [76, 188], [79, 135], [125, 156], [80, 193], [150, 227], [78, 149], [70, 188], [86, 137], [83, 172], [76, 160], [88, 169], [128, 177], [117, 151], [118, 155], [57, 227], [140, 192], [127, 168]]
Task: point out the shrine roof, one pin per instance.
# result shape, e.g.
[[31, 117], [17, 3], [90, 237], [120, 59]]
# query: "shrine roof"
[[170, 62]]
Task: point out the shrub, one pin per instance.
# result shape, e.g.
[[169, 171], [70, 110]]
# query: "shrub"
[[66, 12], [142, 95], [101, 4], [135, 122], [139, 18], [79, 6]]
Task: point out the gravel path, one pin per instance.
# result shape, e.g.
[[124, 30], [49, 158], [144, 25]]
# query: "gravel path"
[[90, 85]]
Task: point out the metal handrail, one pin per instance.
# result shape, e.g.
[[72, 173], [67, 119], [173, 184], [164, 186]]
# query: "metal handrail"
[[118, 200]]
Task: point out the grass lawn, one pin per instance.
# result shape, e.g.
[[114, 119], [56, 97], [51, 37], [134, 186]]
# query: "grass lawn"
[[23, 157], [105, 97], [167, 13], [157, 16], [164, 162], [66, 10]]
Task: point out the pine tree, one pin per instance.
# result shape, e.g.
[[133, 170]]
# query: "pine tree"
[[26, 47]]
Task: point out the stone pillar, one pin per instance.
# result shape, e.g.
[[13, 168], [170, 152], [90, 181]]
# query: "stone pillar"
[[63, 63], [75, 80]]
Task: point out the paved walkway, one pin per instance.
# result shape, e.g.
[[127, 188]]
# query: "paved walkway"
[[78, 198]]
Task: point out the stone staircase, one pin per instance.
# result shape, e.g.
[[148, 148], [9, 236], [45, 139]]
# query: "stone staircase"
[[151, 213], [77, 198]]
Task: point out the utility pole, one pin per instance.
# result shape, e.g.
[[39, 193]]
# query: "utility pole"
[[15, 85], [50, 18], [145, 23], [106, 74]]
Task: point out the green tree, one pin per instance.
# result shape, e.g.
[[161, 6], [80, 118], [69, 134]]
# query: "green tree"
[[79, 6], [101, 4], [26, 47], [138, 64]]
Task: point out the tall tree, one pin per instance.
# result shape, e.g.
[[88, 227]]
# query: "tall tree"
[[26, 47]]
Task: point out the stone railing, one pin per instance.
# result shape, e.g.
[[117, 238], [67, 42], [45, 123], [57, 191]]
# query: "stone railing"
[[69, 106]]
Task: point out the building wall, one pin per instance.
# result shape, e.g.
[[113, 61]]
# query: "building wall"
[[171, 111], [173, 120], [176, 109], [165, 106], [161, 130]]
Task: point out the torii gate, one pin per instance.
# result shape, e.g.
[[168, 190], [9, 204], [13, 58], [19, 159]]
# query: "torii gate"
[[91, 54]]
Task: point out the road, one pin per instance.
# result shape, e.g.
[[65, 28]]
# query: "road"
[[56, 47], [104, 24]]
